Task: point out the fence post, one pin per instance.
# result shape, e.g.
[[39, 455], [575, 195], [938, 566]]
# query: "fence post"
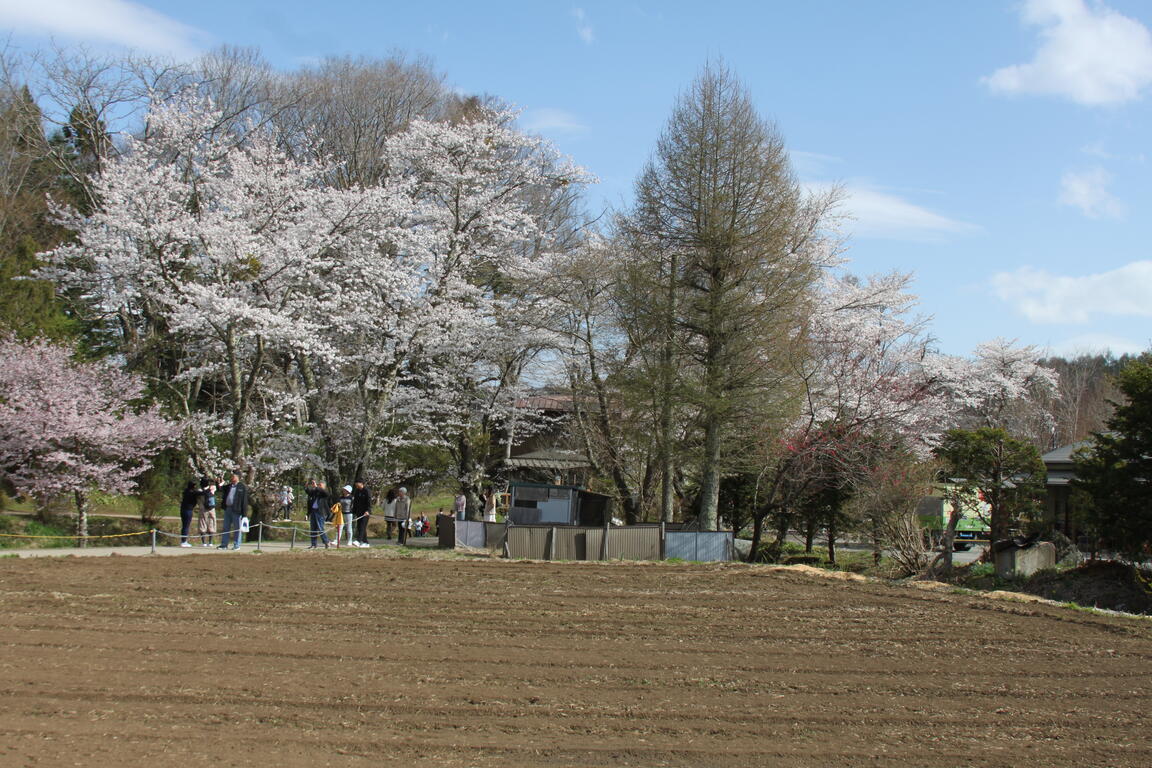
[[663, 537], [259, 534], [153, 541], [604, 540], [552, 543]]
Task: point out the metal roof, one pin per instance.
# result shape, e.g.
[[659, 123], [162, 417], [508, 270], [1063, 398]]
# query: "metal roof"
[[549, 460]]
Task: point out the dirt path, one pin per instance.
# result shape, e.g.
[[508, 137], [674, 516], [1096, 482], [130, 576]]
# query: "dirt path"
[[362, 658]]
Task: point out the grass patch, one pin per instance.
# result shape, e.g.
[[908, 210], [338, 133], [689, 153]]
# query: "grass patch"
[[429, 505], [23, 532], [20, 527]]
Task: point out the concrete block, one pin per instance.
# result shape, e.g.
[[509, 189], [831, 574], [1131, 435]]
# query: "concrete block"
[[1025, 562]]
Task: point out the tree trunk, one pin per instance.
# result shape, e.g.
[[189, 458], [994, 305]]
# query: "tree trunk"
[[757, 533], [471, 477], [947, 543], [783, 522], [710, 481], [810, 535], [832, 540], [81, 519], [667, 489], [877, 550]]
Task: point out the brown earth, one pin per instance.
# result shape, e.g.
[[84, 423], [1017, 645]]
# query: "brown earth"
[[364, 658]]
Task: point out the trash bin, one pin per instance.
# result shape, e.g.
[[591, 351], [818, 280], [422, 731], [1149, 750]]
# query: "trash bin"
[[446, 531]]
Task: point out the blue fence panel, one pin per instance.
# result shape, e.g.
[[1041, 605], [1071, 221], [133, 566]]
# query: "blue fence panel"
[[714, 545], [681, 546], [469, 534], [700, 546]]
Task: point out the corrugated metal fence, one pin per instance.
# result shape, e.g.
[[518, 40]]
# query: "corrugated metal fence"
[[699, 545], [634, 542]]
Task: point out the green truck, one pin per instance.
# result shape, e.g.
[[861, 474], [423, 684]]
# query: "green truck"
[[972, 528]]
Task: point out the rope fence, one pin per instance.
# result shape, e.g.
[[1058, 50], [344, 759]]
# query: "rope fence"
[[73, 536], [236, 533]]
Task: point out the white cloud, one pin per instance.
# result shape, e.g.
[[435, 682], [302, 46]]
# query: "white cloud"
[[1088, 191], [583, 26], [1097, 343], [1090, 54], [881, 215], [120, 22], [1046, 298], [808, 164], [551, 121]]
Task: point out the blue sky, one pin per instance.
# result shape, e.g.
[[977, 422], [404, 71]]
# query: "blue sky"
[[997, 149]]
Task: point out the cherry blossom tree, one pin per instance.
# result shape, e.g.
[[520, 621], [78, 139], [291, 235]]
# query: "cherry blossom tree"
[[68, 427], [326, 324], [997, 398], [863, 391], [490, 209]]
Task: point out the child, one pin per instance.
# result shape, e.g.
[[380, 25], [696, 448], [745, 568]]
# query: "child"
[[344, 515]]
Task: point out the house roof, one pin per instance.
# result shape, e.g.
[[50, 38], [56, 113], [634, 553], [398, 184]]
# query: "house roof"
[[549, 460], [556, 401], [1063, 454]]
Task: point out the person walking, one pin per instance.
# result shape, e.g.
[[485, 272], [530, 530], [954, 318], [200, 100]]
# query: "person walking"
[[361, 510], [189, 501], [317, 509], [490, 505], [389, 512], [235, 504], [207, 521], [403, 514]]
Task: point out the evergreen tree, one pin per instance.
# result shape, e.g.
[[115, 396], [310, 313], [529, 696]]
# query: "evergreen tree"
[[733, 248], [28, 308], [1006, 472], [1116, 472]]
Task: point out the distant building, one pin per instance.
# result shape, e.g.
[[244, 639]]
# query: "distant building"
[[1059, 507], [550, 455]]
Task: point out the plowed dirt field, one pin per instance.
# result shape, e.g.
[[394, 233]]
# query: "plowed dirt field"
[[363, 658]]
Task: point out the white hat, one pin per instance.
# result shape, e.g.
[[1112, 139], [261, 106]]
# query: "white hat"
[[348, 488], [403, 489]]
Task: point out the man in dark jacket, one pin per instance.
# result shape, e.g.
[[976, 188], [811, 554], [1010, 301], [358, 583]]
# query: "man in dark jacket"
[[317, 511], [234, 501], [361, 508]]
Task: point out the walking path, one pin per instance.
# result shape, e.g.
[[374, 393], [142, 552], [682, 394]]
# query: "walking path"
[[423, 542]]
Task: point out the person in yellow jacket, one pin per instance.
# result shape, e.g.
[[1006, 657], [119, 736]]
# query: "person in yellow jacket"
[[342, 517]]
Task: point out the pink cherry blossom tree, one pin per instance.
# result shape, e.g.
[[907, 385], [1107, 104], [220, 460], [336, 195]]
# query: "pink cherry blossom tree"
[[68, 427], [863, 391]]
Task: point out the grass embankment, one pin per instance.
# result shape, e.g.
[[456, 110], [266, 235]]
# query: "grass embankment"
[[1105, 584], [23, 532]]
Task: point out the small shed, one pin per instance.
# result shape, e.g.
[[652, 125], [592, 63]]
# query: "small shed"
[[543, 504]]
